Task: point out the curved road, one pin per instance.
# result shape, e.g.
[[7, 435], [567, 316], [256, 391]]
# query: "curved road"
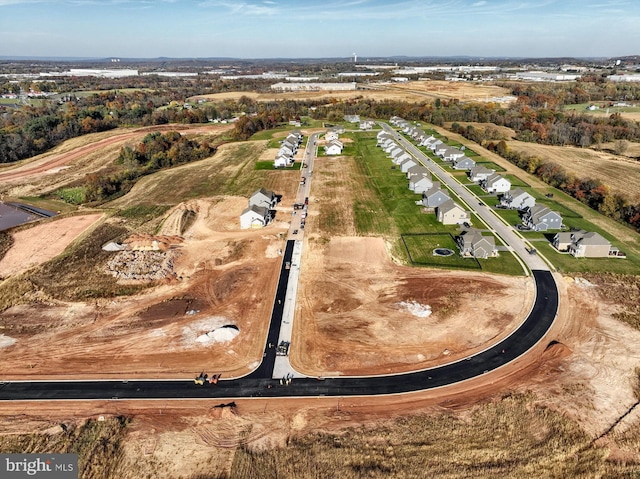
[[260, 383]]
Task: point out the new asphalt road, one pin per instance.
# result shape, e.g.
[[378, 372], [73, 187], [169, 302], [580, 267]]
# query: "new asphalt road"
[[260, 384]]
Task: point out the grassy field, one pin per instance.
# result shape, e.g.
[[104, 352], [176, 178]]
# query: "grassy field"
[[230, 171], [97, 443], [420, 250], [620, 173], [395, 213], [629, 112], [513, 437]]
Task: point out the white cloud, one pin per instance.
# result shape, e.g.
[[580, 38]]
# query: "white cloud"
[[479, 4]]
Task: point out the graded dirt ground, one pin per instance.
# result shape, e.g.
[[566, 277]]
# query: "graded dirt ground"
[[413, 91]]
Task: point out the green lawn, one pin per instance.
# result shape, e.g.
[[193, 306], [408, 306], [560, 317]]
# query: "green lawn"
[[268, 165], [420, 249], [393, 211]]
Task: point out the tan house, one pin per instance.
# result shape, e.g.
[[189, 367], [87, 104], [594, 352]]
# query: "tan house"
[[451, 213], [582, 244]]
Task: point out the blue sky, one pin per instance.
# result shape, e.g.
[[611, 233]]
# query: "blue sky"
[[311, 29]]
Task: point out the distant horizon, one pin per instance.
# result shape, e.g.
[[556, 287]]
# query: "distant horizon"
[[360, 61], [294, 29]]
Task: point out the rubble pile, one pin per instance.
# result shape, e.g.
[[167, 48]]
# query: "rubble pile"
[[141, 265]]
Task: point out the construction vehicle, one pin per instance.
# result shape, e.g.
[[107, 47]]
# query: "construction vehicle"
[[200, 380], [203, 379], [283, 348]]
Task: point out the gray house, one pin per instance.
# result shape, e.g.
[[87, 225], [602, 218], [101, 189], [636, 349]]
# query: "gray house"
[[264, 198], [541, 218], [473, 244], [434, 196], [463, 163], [517, 199], [420, 184]]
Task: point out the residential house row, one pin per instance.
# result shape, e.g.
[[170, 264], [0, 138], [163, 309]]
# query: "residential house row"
[[288, 149]]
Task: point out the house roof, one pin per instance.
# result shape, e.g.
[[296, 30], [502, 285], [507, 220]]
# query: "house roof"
[[481, 169], [417, 170], [262, 191], [259, 210], [591, 238], [450, 205]]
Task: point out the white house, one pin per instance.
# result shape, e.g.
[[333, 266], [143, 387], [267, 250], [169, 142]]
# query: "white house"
[[255, 217], [451, 154], [264, 198], [480, 173], [517, 199], [333, 148], [282, 162], [331, 135], [420, 184], [496, 184], [407, 163]]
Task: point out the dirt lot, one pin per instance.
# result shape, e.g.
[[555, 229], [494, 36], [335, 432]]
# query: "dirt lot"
[[361, 314], [34, 246], [414, 91]]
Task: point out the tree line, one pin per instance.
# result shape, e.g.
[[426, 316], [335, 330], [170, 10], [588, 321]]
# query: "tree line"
[[589, 191], [155, 152]]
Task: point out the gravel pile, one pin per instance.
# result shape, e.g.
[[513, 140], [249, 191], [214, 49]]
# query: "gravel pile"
[[141, 265]]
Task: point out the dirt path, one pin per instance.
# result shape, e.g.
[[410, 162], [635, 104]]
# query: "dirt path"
[[43, 242], [51, 163]]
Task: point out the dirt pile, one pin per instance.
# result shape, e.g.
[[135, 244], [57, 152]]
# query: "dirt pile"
[[141, 265], [143, 242]]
